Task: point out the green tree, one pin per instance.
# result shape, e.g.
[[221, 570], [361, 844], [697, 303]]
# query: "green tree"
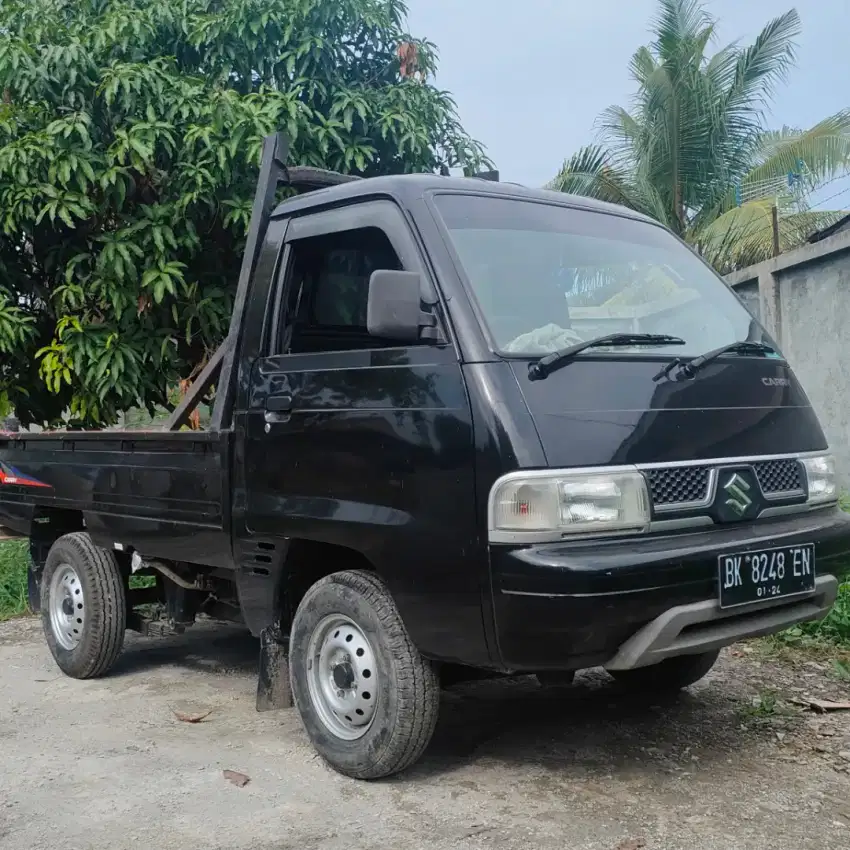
[[693, 150], [130, 135]]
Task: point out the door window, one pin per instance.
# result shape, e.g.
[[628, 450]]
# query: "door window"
[[328, 289]]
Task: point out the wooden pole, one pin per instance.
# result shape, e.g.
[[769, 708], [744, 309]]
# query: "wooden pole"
[[774, 216]]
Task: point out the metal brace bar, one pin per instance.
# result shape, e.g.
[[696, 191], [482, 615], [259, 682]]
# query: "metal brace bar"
[[200, 387]]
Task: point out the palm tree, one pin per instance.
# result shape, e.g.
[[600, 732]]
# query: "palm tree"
[[693, 151]]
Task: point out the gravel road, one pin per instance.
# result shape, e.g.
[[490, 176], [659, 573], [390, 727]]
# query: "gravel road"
[[106, 764]]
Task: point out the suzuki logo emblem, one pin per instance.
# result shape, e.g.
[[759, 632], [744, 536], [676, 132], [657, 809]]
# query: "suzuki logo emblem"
[[737, 489]]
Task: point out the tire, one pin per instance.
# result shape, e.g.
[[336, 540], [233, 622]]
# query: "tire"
[[78, 573], [365, 723], [672, 674]]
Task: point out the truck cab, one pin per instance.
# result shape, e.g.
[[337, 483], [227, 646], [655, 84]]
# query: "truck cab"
[[459, 425]]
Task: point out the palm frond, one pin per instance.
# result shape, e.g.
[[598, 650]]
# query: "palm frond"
[[799, 226], [760, 67], [654, 151], [695, 131], [737, 238], [590, 160], [652, 203], [589, 172], [816, 155], [739, 85], [672, 107], [621, 133], [721, 68], [701, 42], [744, 235], [677, 23], [641, 65]]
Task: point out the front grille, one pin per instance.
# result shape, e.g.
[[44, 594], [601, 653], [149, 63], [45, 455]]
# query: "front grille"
[[779, 476], [677, 485], [688, 486]]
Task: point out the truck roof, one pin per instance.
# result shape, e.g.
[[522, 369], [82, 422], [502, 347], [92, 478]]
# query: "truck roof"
[[410, 187]]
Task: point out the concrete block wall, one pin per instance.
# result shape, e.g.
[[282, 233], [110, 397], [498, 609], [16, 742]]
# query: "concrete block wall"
[[803, 299]]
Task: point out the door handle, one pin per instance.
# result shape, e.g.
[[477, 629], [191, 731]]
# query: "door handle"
[[279, 403], [278, 409]]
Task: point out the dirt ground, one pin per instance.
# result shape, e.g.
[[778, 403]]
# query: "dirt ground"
[[106, 764]]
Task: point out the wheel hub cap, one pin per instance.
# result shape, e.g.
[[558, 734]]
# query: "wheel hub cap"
[[342, 677], [66, 607]]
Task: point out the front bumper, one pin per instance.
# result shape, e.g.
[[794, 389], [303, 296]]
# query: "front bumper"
[[629, 602]]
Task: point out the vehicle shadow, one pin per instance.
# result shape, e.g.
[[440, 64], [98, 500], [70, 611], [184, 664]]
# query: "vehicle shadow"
[[205, 647], [593, 725]]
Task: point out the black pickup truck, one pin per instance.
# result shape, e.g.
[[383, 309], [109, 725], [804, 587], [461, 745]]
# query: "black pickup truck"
[[459, 426]]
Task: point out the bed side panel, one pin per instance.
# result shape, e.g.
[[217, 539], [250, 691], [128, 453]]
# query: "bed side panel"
[[163, 494]]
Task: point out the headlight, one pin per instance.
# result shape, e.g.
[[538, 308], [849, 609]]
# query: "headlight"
[[820, 473], [538, 506]]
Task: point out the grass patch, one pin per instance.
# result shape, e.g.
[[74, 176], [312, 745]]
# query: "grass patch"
[[766, 704], [834, 629], [140, 582], [841, 669], [14, 563]]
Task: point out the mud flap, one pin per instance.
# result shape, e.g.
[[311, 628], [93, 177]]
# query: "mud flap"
[[34, 590], [273, 688]]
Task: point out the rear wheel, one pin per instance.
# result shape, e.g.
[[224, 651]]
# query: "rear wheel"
[[83, 606], [366, 697], [672, 674]]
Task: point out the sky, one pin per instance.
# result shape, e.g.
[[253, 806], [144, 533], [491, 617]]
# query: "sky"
[[529, 80]]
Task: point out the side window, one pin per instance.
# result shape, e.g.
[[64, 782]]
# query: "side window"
[[328, 288]]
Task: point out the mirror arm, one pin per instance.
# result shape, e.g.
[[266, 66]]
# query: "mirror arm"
[[429, 328]]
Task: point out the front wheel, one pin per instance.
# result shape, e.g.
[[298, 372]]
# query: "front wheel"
[[368, 700], [83, 606], [672, 674]]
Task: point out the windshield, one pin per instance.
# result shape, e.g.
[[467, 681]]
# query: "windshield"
[[546, 277]]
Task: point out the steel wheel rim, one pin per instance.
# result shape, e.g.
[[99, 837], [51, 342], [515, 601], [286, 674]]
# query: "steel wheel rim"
[[342, 677], [66, 607]]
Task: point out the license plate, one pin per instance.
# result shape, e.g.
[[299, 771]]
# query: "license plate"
[[766, 574]]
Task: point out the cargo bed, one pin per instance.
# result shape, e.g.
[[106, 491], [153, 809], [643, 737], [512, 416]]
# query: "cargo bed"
[[163, 490]]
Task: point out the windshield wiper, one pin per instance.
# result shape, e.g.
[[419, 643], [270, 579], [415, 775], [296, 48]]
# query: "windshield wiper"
[[689, 368], [545, 365]]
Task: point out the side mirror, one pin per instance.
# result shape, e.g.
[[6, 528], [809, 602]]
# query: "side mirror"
[[394, 309]]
